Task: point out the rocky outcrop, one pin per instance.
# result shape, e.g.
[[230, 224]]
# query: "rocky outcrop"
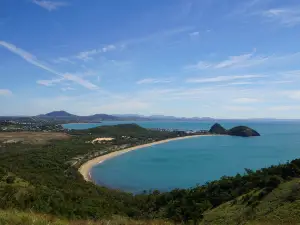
[[217, 129], [241, 131]]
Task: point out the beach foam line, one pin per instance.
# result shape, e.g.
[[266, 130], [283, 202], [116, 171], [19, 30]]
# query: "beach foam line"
[[87, 166]]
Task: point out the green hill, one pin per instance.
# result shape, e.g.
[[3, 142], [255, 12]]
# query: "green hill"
[[116, 130], [14, 217], [281, 206]]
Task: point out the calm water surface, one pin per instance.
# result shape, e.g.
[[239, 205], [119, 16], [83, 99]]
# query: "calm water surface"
[[186, 163]]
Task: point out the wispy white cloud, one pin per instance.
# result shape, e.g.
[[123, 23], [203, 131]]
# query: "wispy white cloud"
[[156, 36], [241, 83], [246, 100], [247, 7], [285, 108], [285, 16], [87, 55], [63, 60], [27, 56], [291, 73], [49, 83], [239, 108], [49, 5], [293, 94], [5, 92], [201, 65], [125, 106], [282, 81], [109, 48], [240, 61], [222, 78], [34, 61], [81, 81], [238, 83], [153, 81], [68, 89], [194, 34]]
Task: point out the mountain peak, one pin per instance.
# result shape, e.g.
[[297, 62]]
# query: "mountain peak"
[[59, 114]]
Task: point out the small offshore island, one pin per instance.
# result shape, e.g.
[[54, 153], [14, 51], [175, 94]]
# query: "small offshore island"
[[241, 131], [39, 176]]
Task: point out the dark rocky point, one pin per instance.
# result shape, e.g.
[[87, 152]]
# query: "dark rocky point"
[[241, 131], [217, 129]]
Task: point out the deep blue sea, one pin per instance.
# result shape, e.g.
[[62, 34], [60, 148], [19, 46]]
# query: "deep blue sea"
[[186, 163]]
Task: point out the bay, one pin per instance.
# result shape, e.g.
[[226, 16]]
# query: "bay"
[[186, 163]]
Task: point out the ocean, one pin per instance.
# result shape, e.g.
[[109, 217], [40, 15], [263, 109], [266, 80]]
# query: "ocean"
[[190, 162]]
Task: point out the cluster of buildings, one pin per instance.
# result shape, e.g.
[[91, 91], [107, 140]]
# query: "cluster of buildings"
[[181, 131], [14, 126]]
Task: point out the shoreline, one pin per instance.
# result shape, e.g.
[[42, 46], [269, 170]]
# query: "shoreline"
[[86, 167]]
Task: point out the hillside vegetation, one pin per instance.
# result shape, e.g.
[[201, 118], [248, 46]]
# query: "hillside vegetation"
[[44, 179], [279, 207], [14, 217]]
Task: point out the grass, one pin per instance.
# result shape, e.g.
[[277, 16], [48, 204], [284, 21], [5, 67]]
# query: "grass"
[[32, 137], [13, 217], [280, 207]]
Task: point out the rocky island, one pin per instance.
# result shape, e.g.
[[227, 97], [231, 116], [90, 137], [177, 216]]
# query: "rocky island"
[[217, 129], [241, 131]]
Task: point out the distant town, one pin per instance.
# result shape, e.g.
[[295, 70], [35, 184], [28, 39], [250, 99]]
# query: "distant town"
[[33, 126]]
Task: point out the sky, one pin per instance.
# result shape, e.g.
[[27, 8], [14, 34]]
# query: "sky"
[[204, 58]]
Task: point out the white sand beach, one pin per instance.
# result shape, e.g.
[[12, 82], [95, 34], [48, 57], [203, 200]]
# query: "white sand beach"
[[86, 167]]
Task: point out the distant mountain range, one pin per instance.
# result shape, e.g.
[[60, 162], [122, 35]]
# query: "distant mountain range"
[[63, 115]]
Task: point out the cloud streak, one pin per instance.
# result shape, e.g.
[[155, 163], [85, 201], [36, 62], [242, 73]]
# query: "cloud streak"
[[34, 61], [285, 16], [153, 81], [194, 34], [240, 61], [293, 94], [285, 108], [87, 55], [222, 78], [49, 83], [157, 36], [63, 60], [246, 100], [49, 5]]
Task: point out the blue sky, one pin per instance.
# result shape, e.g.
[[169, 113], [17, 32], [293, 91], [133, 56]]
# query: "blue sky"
[[225, 59]]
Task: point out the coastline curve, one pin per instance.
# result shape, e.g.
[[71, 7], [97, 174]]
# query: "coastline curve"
[[86, 167]]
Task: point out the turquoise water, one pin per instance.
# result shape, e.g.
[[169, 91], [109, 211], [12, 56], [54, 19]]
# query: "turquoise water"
[[186, 163]]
